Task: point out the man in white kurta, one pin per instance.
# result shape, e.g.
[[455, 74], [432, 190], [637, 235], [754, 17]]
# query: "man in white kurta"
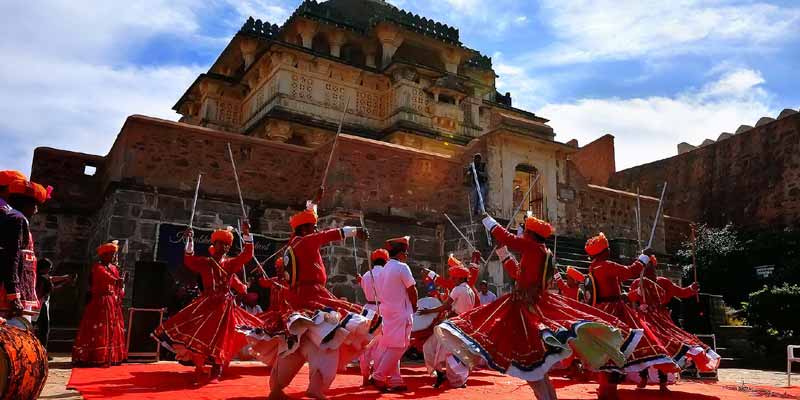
[[398, 296], [460, 300], [368, 285]]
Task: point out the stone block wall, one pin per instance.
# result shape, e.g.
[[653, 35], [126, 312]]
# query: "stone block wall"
[[368, 175], [595, 161]]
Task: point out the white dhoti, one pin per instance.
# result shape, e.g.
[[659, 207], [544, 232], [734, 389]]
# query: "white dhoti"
[[396, 339], [438, 358], [368, 357]]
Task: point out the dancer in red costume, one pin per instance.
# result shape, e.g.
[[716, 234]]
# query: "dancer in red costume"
[[101, 336], [604, 292], [526, 333], [570, 287], [311, 324], [652, 298], [205, 331]]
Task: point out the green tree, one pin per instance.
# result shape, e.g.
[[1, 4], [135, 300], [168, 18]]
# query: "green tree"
[[775, 310], [721, 267]]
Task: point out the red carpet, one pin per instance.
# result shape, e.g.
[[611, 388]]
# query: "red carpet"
[[249, 382]]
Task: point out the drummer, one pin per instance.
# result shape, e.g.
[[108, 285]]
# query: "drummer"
[[461, 299]]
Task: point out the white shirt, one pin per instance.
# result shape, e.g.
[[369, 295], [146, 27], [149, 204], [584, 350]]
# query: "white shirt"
[[463, 298], [487, 298], [392, 283], [368, 285]]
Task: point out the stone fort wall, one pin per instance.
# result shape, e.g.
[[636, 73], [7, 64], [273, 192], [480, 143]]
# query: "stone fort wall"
[[751, 179]]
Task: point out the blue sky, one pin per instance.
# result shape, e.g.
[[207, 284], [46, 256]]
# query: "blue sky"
[[651, 72]]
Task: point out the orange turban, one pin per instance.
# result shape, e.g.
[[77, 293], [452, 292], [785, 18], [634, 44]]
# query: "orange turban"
[[302, 218], [457, 269], [6, 177], [380, 254], [653, 261], [576, 275], [539, 227], [110, 247], [222, 235], [30, 189], [596, 245]]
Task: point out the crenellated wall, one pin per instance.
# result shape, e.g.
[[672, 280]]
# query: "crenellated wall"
[[751, 179]]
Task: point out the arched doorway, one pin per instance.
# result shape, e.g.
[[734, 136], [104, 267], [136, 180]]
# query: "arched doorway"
[[525, 177]]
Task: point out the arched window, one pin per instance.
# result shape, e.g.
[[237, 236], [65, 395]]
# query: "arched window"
[[525, 176], [320, 44]]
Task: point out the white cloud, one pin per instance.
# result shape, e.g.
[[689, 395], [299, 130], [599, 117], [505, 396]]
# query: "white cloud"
[[265, 10], [613, 29], [527, 92], [70, 83], [647, 129]]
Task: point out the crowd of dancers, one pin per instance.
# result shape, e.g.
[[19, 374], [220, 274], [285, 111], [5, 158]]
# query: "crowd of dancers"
[[590, 325]]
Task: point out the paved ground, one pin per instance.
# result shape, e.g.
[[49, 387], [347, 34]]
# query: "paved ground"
[[60, 370], [757, 377], [56, 385]]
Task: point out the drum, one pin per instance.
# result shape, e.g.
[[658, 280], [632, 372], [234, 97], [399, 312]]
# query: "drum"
[[23, 364], [420, 321]]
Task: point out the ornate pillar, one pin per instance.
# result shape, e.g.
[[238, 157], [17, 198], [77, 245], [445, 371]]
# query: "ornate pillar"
[[279, 131], [369, 55], [451, 58], [306, 29], [248, 48], [336, 40], [391, 39], [315, 138]]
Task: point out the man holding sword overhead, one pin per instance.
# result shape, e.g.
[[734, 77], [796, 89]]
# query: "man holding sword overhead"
[[478, 179]]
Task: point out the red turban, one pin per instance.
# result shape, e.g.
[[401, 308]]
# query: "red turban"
[[380, 254], [596, 245], [457, 269], [539, 227], [302, 218], [30, 189], [222, 235], [6, 177], [110, 247]]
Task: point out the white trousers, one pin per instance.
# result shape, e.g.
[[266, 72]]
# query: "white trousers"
[[322, 365], [387, 366], [368, 356]]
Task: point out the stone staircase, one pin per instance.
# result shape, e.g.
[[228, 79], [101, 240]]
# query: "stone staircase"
[[733, 344]]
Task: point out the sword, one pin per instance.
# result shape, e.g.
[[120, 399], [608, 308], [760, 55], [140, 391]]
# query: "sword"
[[189, 241], [652, 235], [638, 220], [194, 202], [480, 197], [236, 178], [462, 235], [371, 274], [330, 156], [519, 206]]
